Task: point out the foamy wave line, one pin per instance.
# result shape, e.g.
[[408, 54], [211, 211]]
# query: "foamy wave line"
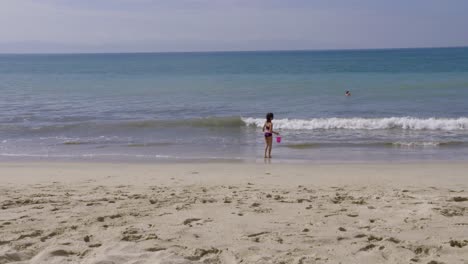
[[308, 145], [421, 144], [407, 123]]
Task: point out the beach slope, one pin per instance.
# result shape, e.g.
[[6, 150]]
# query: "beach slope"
[[103, 213]]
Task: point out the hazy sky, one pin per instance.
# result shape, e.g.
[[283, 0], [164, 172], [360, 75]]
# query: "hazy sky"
[[203, 25]]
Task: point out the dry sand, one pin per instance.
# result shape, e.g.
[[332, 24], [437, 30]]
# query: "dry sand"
[[100, 213]]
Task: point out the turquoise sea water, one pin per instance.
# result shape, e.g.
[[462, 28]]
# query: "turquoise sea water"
[[407, 104]]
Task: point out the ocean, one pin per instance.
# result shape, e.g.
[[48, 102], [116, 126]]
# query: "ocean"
[[406, 105]]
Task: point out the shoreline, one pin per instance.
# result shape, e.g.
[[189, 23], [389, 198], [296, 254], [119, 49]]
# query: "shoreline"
[[95, 213], [227, 160]]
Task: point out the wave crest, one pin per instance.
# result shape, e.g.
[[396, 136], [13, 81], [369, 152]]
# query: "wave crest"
[[406, 123]]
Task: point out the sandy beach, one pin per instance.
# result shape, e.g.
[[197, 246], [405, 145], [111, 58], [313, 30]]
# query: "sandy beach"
[[104, 213]]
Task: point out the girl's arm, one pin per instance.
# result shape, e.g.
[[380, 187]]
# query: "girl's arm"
[[263, 129], [272, 131]]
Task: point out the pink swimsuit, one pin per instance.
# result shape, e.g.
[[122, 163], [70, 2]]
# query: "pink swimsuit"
[[268, 131]]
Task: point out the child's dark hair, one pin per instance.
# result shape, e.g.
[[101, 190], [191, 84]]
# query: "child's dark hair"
[[269, 117]]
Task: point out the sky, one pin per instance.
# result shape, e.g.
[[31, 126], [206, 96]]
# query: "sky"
[[74, 26]]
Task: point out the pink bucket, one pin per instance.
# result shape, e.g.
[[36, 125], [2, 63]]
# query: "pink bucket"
[[278, 139]]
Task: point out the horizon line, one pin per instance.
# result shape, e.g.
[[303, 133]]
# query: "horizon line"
[[230, 51]]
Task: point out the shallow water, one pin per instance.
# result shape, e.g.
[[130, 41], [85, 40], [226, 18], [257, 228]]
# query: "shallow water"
[[407, 104]]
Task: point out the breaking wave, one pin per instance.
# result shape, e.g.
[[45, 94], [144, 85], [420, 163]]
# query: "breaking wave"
[[406, 123], [356, 123], [409, 144]]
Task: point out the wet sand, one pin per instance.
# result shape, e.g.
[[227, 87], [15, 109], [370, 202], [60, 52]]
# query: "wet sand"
[[103, 213]]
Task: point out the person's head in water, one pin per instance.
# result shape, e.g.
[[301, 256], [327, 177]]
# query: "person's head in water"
[[348, 93], [269, 117]]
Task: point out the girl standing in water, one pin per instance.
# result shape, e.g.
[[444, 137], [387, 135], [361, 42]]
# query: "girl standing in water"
[[268, 130]]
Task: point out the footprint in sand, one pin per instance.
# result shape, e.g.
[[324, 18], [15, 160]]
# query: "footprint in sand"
[[373, 238], [52, 234], [199, 253], [393, 240], [368, 247], [255, 205], [33, 234], [189, 221], [155, 249], [452, 211], [459, 199], [458, 243], [135, 234], [96, 245], [50, 255]]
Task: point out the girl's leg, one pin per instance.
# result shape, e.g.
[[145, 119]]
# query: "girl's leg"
[[270, 144], [266, 147]]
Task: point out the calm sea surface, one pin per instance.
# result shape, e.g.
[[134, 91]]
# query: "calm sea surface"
[[408, 104]]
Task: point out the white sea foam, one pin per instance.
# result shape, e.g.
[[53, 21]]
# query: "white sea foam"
[[418, 144], [406, 123]]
